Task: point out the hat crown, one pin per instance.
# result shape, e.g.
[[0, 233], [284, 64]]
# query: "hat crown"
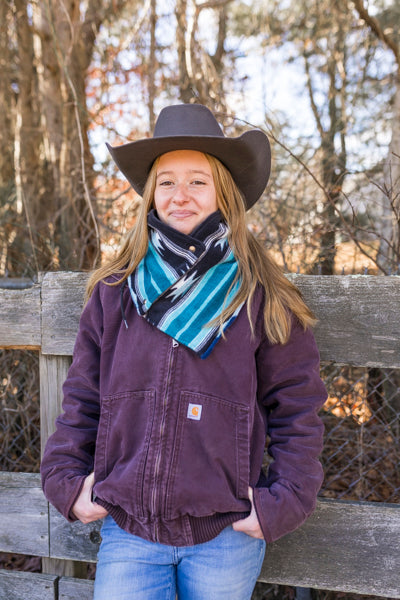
[[187, 119]]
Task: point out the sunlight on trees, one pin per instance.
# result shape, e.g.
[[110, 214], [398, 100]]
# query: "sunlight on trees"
[[321, 79]]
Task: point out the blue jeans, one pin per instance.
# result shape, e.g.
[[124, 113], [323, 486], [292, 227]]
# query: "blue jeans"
[[135, 569]]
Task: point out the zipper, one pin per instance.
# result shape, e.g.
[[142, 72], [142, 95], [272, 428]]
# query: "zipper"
[[154, 496]]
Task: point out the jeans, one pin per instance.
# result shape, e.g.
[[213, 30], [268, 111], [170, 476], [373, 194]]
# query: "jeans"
[[131, 568]]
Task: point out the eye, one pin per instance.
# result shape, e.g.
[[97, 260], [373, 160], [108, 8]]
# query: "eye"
[[198, 182], [166, 182]]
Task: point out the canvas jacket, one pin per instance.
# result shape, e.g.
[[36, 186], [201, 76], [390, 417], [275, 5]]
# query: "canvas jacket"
[[175, 440]]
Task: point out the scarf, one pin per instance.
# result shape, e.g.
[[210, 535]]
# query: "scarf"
[[185, 281]]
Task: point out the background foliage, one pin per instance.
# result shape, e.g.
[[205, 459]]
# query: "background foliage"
[[321, 78]]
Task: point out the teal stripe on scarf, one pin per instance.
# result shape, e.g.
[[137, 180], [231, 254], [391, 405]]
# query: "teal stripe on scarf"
[[213, 287], [159, 279]]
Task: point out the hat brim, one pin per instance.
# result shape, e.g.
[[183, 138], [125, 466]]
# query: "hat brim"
[[247, 157]]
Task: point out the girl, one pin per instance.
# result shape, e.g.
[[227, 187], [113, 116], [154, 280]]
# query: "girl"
[[192, 350]]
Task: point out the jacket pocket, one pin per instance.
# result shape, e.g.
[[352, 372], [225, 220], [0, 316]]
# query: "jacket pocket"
[[211, 457], [121, 449]]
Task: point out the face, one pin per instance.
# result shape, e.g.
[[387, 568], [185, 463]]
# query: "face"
[[185, 192]]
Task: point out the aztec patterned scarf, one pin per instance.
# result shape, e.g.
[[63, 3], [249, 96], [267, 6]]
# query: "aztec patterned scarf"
[[184, 282]]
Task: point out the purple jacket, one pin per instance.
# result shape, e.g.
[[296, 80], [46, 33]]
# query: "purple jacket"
[[175, 440]]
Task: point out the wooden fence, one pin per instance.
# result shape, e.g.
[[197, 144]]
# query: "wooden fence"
[[345, 546]]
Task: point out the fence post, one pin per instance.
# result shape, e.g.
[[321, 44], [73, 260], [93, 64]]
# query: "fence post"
[[53, 372]]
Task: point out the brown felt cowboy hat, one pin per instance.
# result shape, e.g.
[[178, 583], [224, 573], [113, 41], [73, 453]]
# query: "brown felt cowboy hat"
[[194, 127]]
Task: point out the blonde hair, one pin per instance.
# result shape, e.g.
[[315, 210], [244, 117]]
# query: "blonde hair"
[[256, 267]]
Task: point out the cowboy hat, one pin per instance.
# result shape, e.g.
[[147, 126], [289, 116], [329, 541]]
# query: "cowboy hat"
[[194, 127]]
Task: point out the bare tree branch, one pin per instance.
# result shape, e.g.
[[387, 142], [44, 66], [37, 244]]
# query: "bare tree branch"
[[213, 4], [314, 107], [375, 27]]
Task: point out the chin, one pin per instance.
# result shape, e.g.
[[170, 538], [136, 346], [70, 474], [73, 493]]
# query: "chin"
[[185, 228]]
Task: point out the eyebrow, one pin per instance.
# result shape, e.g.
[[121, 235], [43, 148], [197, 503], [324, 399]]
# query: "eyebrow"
[[190, 171]]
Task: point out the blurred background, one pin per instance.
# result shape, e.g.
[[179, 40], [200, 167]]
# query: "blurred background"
[[321, 78]]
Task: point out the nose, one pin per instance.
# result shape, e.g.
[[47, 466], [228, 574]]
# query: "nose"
[[180, 194]]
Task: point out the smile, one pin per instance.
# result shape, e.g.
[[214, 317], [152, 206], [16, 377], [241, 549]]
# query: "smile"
[[181, 214]]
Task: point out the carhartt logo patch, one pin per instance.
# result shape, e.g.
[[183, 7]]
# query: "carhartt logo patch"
[[194, 411]]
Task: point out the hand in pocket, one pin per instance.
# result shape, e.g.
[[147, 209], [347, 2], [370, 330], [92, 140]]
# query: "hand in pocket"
[[250, 525], [84, 509]]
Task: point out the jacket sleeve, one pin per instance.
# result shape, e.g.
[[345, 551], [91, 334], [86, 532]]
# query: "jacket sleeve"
[[69, 453], [291, 391]]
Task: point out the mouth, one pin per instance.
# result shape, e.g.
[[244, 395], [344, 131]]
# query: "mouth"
[[181, 214]]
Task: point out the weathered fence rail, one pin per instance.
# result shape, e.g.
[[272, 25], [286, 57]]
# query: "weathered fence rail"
[[344, 546]]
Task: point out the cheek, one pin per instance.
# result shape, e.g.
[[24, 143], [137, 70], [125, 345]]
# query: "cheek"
[[158, 202], [212, 203]]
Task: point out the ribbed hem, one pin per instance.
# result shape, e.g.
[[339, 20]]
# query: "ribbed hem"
[[118, 514], [184, 531], [205, 529]]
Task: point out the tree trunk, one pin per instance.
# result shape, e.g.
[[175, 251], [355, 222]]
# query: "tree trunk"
[[394, 152], [389, 245], [27, 145], [7, 175], [63, 49], [200, 74], [185, 90], [6, 100], [152, 64]]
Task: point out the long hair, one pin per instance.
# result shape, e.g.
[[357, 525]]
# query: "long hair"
[[135, 243], [255, 266]]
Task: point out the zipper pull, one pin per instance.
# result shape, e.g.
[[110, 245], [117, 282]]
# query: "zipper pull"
[[175, 344]]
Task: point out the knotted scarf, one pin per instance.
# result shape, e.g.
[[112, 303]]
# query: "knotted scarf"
[[185, 281]]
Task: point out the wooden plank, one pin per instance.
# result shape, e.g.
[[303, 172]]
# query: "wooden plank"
[[20, 318], [74, 541], [344, 546], [358, 315], [17, 585], [23, 515], [16, 283], [62, 301], [72, 589]]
